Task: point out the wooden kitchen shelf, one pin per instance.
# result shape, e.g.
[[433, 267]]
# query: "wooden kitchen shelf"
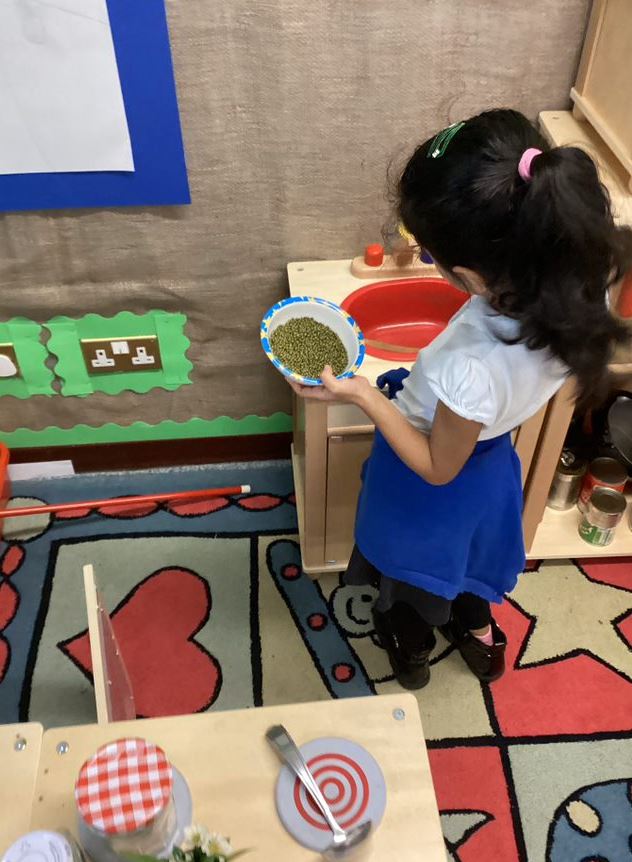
[[602, 91], [557, 538], [562, 129]]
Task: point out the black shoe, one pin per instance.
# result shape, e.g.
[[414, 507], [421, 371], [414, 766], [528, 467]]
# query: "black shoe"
[[411, 667], [486, 662]]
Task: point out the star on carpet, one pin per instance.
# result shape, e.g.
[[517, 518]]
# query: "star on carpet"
[[572, 614], [458, 826]]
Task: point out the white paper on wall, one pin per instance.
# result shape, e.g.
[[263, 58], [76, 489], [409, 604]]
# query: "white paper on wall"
[[61, 106]]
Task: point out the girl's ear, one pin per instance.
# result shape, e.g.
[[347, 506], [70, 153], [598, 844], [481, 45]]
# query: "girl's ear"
[[472, 281]]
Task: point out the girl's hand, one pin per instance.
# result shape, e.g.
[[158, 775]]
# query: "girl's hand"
[[353, 390]]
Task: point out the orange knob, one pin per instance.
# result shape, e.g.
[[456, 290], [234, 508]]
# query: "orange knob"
[[374, 255]]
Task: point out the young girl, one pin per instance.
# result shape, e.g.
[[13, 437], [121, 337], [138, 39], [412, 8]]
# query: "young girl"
[[527, 231]]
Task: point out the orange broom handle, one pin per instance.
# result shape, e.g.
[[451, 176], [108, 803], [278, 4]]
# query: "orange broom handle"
[[189, 496]]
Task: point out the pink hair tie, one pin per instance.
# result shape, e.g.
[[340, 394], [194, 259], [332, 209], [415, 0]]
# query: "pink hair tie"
[[526, 160]]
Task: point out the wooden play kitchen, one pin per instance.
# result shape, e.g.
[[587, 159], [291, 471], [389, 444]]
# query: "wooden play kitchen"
[[232, 773], [331, 442]]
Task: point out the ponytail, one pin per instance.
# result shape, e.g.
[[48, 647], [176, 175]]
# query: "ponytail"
[[566, 254], [546, 245]]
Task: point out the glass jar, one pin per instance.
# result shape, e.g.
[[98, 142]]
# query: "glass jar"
[[124, 797]]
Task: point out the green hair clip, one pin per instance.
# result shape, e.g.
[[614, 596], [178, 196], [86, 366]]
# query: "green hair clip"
[[440, 144]]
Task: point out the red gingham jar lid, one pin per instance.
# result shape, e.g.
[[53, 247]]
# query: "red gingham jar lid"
[[124, 786]]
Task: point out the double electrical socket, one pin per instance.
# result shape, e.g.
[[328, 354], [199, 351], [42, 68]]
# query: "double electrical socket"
[[113, 355]]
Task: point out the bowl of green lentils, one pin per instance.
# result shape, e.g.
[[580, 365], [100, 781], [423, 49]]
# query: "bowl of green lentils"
[[303, 334]]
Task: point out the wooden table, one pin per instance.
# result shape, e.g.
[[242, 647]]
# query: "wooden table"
[[19, 758], [232, 772]]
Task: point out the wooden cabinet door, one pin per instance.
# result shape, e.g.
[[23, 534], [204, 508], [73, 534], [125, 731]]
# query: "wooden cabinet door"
[[526, 441], [545, 458], [346, 456]]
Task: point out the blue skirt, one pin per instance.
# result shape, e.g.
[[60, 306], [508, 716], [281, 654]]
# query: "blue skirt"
[[465, 536]]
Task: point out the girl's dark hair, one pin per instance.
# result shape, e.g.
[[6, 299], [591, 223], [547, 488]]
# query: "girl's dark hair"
[[547, 249]]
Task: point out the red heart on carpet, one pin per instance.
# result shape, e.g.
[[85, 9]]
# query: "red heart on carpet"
[[71, 514], [198, 507], [155, 626], [5, 657], [131, 510], [259, 502], [12, 559], [9, 603]]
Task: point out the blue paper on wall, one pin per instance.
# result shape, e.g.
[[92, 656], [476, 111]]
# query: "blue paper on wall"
[[141, 43]]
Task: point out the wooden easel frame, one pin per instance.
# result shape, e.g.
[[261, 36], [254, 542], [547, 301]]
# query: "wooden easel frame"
[[112, 687]]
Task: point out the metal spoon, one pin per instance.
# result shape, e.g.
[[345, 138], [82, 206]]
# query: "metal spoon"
[[344, 842]]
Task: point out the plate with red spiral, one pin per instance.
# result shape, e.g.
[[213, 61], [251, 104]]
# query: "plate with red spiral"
[[350, 780]]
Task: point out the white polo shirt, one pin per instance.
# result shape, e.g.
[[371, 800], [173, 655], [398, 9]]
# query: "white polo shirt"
[[477, 375]]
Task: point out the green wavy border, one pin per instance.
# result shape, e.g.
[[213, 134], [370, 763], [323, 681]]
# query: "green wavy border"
[[79, 435], [65, 343]]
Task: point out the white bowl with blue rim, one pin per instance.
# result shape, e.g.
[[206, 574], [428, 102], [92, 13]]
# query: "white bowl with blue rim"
[[322, 311]]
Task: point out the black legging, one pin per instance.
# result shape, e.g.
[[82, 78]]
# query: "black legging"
[[471, 611]]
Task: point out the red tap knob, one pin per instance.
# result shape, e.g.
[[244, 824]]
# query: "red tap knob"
[[374, 255]]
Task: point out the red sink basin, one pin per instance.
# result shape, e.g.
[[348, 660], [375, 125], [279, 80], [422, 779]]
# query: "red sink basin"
[[407, 312]]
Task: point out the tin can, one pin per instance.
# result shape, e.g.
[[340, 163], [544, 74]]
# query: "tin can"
[[602, 473], [604, 512], [44, 846], [567, 481]]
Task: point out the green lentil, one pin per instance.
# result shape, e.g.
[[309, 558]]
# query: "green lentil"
[[306, 346]]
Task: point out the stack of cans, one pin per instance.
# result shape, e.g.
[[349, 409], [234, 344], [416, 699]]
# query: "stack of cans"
[[602, 501], [597, 489]]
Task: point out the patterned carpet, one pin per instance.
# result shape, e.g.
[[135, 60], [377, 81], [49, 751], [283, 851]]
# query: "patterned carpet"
[[213, 612]]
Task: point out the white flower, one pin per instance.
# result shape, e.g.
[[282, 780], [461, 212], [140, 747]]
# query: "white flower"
[[217, 844], [195, 836]]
